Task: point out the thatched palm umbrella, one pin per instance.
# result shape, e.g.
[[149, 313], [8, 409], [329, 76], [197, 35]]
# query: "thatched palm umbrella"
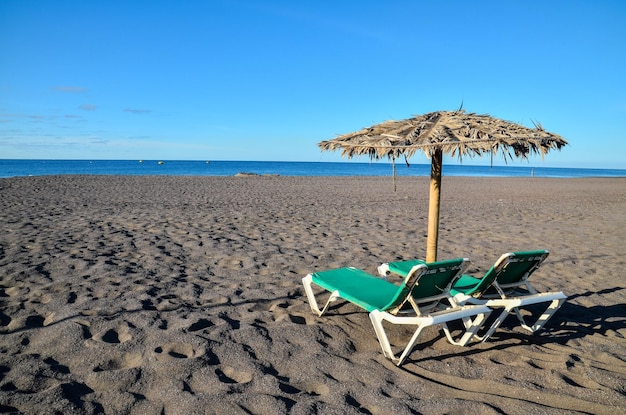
[[456, 133]]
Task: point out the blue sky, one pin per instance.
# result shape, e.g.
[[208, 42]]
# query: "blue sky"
[[268, 80]]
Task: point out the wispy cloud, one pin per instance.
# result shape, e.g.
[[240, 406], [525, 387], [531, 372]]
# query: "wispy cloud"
[[88, 107], [8, 117], [97, 145], [70, 89], [28, 117], [137, 111]]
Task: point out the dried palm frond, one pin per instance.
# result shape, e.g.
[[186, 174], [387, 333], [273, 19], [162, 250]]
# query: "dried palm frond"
[[456, 133]]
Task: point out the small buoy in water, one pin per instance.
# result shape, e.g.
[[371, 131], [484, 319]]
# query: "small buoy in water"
[[141, 161], [160, 162]]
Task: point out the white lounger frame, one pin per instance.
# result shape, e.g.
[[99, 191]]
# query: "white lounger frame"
[[512, 305]]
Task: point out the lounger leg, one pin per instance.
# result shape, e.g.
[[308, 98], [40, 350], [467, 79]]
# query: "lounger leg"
[[377, 321], [543, 319], [512, 306], [307, 281], [377, 317], [503, 315], [411, 344], [471, 328]]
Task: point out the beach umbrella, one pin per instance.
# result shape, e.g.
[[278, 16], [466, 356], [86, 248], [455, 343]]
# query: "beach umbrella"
[[456, 133]]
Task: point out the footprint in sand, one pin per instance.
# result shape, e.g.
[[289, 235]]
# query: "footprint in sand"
[[15, 291], [178, 351], [281, 314], [4, 319], [127, 361], [293, 318], [230, 375], [282, 310], [316, 389], [113, 336], [35, 321], [209, 300], [201, 324], [71, 298], [116, 373]]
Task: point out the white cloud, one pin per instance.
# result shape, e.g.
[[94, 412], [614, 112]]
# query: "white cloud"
[[70, 89], [137, 111]]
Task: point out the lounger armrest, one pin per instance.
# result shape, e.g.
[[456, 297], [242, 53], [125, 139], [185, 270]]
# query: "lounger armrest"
[[513, 302]]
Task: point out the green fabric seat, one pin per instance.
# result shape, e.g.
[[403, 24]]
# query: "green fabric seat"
[[363, 289], [510, 271], [465, 284], [403, 267]]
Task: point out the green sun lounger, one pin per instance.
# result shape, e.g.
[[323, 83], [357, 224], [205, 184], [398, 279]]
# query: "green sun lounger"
[[504, 286], [424, 285]]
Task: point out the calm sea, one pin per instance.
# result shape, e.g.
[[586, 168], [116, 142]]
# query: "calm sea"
[[13, 168]]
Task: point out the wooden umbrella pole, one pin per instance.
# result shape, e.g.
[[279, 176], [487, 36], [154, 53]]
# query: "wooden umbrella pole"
[[433, 205]]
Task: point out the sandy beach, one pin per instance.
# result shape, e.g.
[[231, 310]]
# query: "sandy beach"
[[183, 295]]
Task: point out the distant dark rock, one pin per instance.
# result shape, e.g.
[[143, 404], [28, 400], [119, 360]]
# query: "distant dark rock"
[[246, 174]]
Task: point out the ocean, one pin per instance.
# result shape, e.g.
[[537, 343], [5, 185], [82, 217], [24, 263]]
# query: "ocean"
[[15, 168]]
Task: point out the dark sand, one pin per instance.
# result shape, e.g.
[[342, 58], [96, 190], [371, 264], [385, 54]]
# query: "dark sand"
[[183, 295]]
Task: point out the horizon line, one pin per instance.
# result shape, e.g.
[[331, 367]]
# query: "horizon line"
[[382, 161]]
